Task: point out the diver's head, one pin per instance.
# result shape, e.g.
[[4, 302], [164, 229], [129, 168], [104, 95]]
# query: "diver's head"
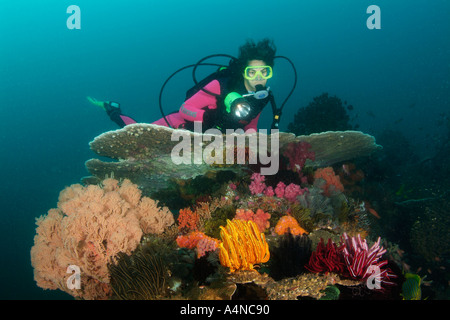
[[259, 55], [257, 72]]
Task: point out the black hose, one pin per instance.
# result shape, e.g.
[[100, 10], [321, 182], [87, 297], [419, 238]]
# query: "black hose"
[[295, 81], [171, 76]]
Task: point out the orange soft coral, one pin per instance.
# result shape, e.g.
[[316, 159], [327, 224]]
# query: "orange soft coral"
[[288, 224], [90, 226], [188, 220], [198, 240], [332, 181], [261, 218]]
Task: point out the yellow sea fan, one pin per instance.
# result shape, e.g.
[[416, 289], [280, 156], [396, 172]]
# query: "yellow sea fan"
[[242, 246]]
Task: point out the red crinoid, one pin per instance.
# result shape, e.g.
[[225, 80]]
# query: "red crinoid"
[[362, 261], [326, 258], [351, 259]]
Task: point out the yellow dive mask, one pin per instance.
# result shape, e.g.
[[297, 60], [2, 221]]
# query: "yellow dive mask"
[[258, 72]]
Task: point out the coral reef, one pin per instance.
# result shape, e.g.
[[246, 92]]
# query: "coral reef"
[[188, 220], [360, 259], [298, 234], [289, 192], [141, 276]]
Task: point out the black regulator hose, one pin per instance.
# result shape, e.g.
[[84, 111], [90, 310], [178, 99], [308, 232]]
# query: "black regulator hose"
[[295, 81], [200, 62]]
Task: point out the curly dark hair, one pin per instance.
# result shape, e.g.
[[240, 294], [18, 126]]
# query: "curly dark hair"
[[263, 50]]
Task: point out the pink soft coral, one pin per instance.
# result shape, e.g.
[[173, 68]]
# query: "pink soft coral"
[[290, 192], [298, 153], [90, 226], [279, 190], [257, 185]]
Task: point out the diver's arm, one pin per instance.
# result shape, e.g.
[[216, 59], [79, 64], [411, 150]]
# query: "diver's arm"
[[113, 111], [194, 108], [116, 115]]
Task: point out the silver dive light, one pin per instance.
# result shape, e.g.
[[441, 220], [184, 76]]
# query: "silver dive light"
[[241, 109], [239, 106]]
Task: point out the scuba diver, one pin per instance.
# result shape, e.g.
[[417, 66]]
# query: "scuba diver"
[[231, 98]]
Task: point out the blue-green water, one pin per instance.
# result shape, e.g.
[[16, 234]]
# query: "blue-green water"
[[395, 77]]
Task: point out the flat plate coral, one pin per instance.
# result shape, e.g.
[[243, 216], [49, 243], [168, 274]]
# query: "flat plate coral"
[[145, 152]]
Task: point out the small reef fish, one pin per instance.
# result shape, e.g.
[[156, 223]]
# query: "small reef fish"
[[411, 287]]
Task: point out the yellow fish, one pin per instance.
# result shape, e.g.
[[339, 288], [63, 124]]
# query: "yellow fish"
[[411, 287]]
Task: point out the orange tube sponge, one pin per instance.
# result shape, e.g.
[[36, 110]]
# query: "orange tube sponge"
[[88, 228], [288, 224]]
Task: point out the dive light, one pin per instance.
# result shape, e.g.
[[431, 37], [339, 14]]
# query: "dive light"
[[239, 106]]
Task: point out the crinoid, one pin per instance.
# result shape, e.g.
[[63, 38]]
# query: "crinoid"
[[140, 276], [243, 245]]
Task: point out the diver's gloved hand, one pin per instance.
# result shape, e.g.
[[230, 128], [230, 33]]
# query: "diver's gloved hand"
[[109, 106]]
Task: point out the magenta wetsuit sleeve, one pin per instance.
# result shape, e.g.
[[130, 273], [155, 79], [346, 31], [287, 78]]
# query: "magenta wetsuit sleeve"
[[194, 108], [253, 124], [127, 120]]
